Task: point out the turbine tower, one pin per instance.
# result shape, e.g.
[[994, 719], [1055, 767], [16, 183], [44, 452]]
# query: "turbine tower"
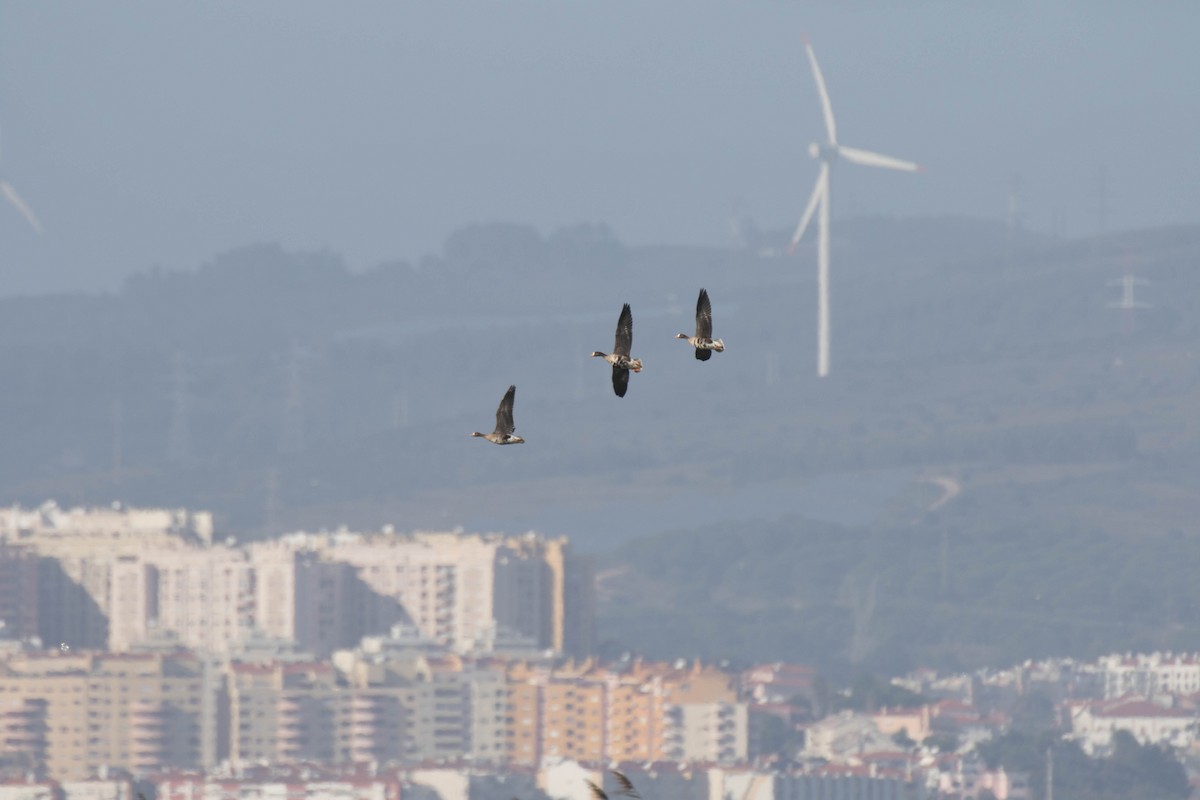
[[827, 153], [9, 192]]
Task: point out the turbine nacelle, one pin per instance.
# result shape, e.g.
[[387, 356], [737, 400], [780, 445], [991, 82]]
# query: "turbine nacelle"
[[823, 152]]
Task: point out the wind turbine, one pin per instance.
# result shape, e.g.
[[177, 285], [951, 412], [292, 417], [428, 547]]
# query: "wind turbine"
[[829, 152], [19, 204]]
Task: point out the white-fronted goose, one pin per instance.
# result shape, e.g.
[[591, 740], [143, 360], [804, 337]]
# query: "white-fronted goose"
[[504, 422], [703, 341], [620, 359], [627, 788]]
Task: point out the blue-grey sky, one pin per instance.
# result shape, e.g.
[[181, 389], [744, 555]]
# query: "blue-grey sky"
[[148, 133]]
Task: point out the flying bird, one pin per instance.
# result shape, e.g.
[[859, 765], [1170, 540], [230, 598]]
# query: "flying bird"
[[627, 788], [9, 192], [504, 422], [620, 359], [703, 341]]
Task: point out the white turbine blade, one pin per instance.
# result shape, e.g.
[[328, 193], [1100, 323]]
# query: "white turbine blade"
[[869, 159], [16, 200], [818, 192], [826, 108]]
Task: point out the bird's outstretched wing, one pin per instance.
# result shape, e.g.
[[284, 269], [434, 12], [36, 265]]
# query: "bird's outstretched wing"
[[620, 381], [624, 340], [703, 316], [597, 792], [627, 789], [504, 414], [703, 354]]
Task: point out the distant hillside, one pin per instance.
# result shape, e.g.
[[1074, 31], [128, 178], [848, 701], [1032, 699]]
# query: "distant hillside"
[[878, 599], [282, 390]]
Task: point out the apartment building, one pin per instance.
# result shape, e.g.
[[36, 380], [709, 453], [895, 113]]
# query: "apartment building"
[[78, 553], [282, 713], [320, 604], [70, 715], [1094, 723], [18, 592], [111, 524], [458, 589], [110, 578], [204, 597], [1148, 674], [470, 593], [636, 715], [67, 715], [637, 712], [705, 721], [574, 712], [401, 710]]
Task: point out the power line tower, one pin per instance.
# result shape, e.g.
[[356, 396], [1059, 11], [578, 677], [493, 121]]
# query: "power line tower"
[[1128, 302], [944, 572], [293, 409], [179, 439], [400, 407], [862, 608], [741, 227], [1050, 772], [271, 501], [1014, 218], [1101, 191], [118, 414]]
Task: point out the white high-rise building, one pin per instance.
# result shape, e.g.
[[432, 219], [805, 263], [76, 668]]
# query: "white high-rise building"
[[468, 593]]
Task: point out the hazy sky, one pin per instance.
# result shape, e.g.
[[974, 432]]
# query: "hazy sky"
[[161, 133]]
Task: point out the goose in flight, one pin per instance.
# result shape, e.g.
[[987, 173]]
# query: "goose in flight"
[[621, 362], [626, 787], [504, 422], [703, 341]]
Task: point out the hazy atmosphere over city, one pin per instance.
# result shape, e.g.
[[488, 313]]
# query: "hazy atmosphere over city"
[[148, 133], [911, 511]]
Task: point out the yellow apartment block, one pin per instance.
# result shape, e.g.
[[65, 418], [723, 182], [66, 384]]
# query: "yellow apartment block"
[[64, 716], [635, 712]]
